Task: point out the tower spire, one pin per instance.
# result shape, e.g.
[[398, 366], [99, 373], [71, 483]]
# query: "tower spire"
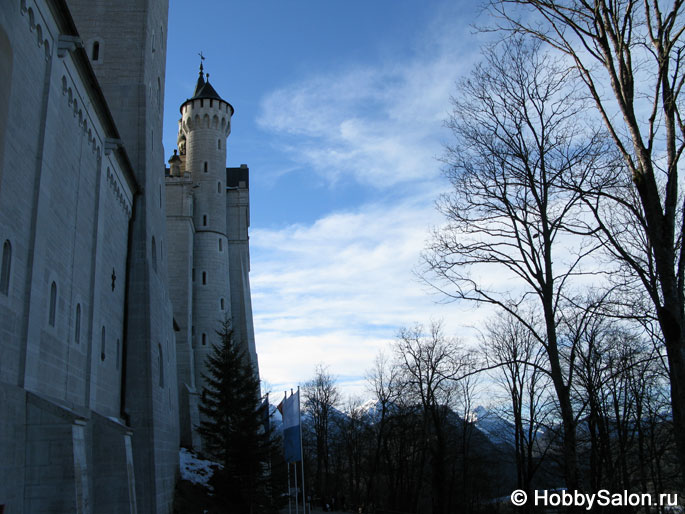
[[202, 58]]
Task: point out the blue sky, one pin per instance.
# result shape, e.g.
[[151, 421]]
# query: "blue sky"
[[339, 115]]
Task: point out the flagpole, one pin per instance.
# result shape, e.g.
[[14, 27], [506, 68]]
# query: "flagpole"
[[281, 409], [296, 500], [290, 508], [299, 414]]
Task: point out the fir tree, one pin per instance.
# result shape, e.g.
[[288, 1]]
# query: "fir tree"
[[232, 429]]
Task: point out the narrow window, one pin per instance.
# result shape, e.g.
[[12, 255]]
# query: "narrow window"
[[205, 166], [154, 254], [77, 324], [95, 54], [204, 220], [53, 304], [6, 268], [204, 278], [218, 143], [161, 366], [218, 187], [222, 304], [102, 344], [220, 245], [204, 339]]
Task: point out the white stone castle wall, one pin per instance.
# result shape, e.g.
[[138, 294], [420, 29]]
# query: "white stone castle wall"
[[65, 205], [131, 70]]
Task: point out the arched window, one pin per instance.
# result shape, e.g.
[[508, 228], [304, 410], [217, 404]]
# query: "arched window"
[[77, 324], [221, 249], [154, 254], [53, 304], [204, 339], [204, 220], [6, 267], [205, 167], [103, 340], [161, 366]]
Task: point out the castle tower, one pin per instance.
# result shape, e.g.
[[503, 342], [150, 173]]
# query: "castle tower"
[[206, 123], [207, 220]]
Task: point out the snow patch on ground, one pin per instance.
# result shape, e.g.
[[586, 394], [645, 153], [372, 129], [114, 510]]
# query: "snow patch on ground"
[[194, 469]]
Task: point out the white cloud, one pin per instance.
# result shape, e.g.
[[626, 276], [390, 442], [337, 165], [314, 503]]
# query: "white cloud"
[[338, 290], [379, 124]]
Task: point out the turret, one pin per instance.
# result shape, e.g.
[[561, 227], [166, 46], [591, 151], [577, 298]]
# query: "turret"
[[205, 125], [175, 165]]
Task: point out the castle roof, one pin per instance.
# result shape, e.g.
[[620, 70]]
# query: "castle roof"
[[204, 90]]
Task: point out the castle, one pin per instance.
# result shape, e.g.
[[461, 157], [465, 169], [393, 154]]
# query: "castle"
[[114, 272]]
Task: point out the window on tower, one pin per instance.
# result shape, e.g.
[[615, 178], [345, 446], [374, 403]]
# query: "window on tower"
[[95, 52], [204, 339], [218, 143], [161, 366], [204, 220], [6, 267], [204, 278], [53, 304], [205, 167], [102, 344], [77, 324], [154, 254]]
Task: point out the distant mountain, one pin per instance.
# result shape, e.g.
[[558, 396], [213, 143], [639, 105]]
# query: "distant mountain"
[[497, 429]]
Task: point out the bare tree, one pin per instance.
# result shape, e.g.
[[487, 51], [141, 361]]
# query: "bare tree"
[[383, 381], [431, 364], [629, 56], [321, 395], [521, 369], [518, 135]]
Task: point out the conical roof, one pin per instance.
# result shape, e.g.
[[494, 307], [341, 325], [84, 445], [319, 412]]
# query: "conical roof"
[[204, 90]]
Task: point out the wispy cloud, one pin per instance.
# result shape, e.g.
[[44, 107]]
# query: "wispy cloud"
[[380, 124], [337, 289]]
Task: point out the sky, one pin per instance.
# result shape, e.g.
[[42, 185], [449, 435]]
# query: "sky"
[[339, 111]]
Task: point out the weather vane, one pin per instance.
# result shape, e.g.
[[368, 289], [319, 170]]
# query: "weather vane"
[[202, 58]]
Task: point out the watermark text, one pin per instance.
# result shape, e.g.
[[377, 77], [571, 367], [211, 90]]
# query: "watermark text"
[[602, 498]]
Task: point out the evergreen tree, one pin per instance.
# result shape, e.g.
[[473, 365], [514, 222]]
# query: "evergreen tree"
[[233, 431]]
